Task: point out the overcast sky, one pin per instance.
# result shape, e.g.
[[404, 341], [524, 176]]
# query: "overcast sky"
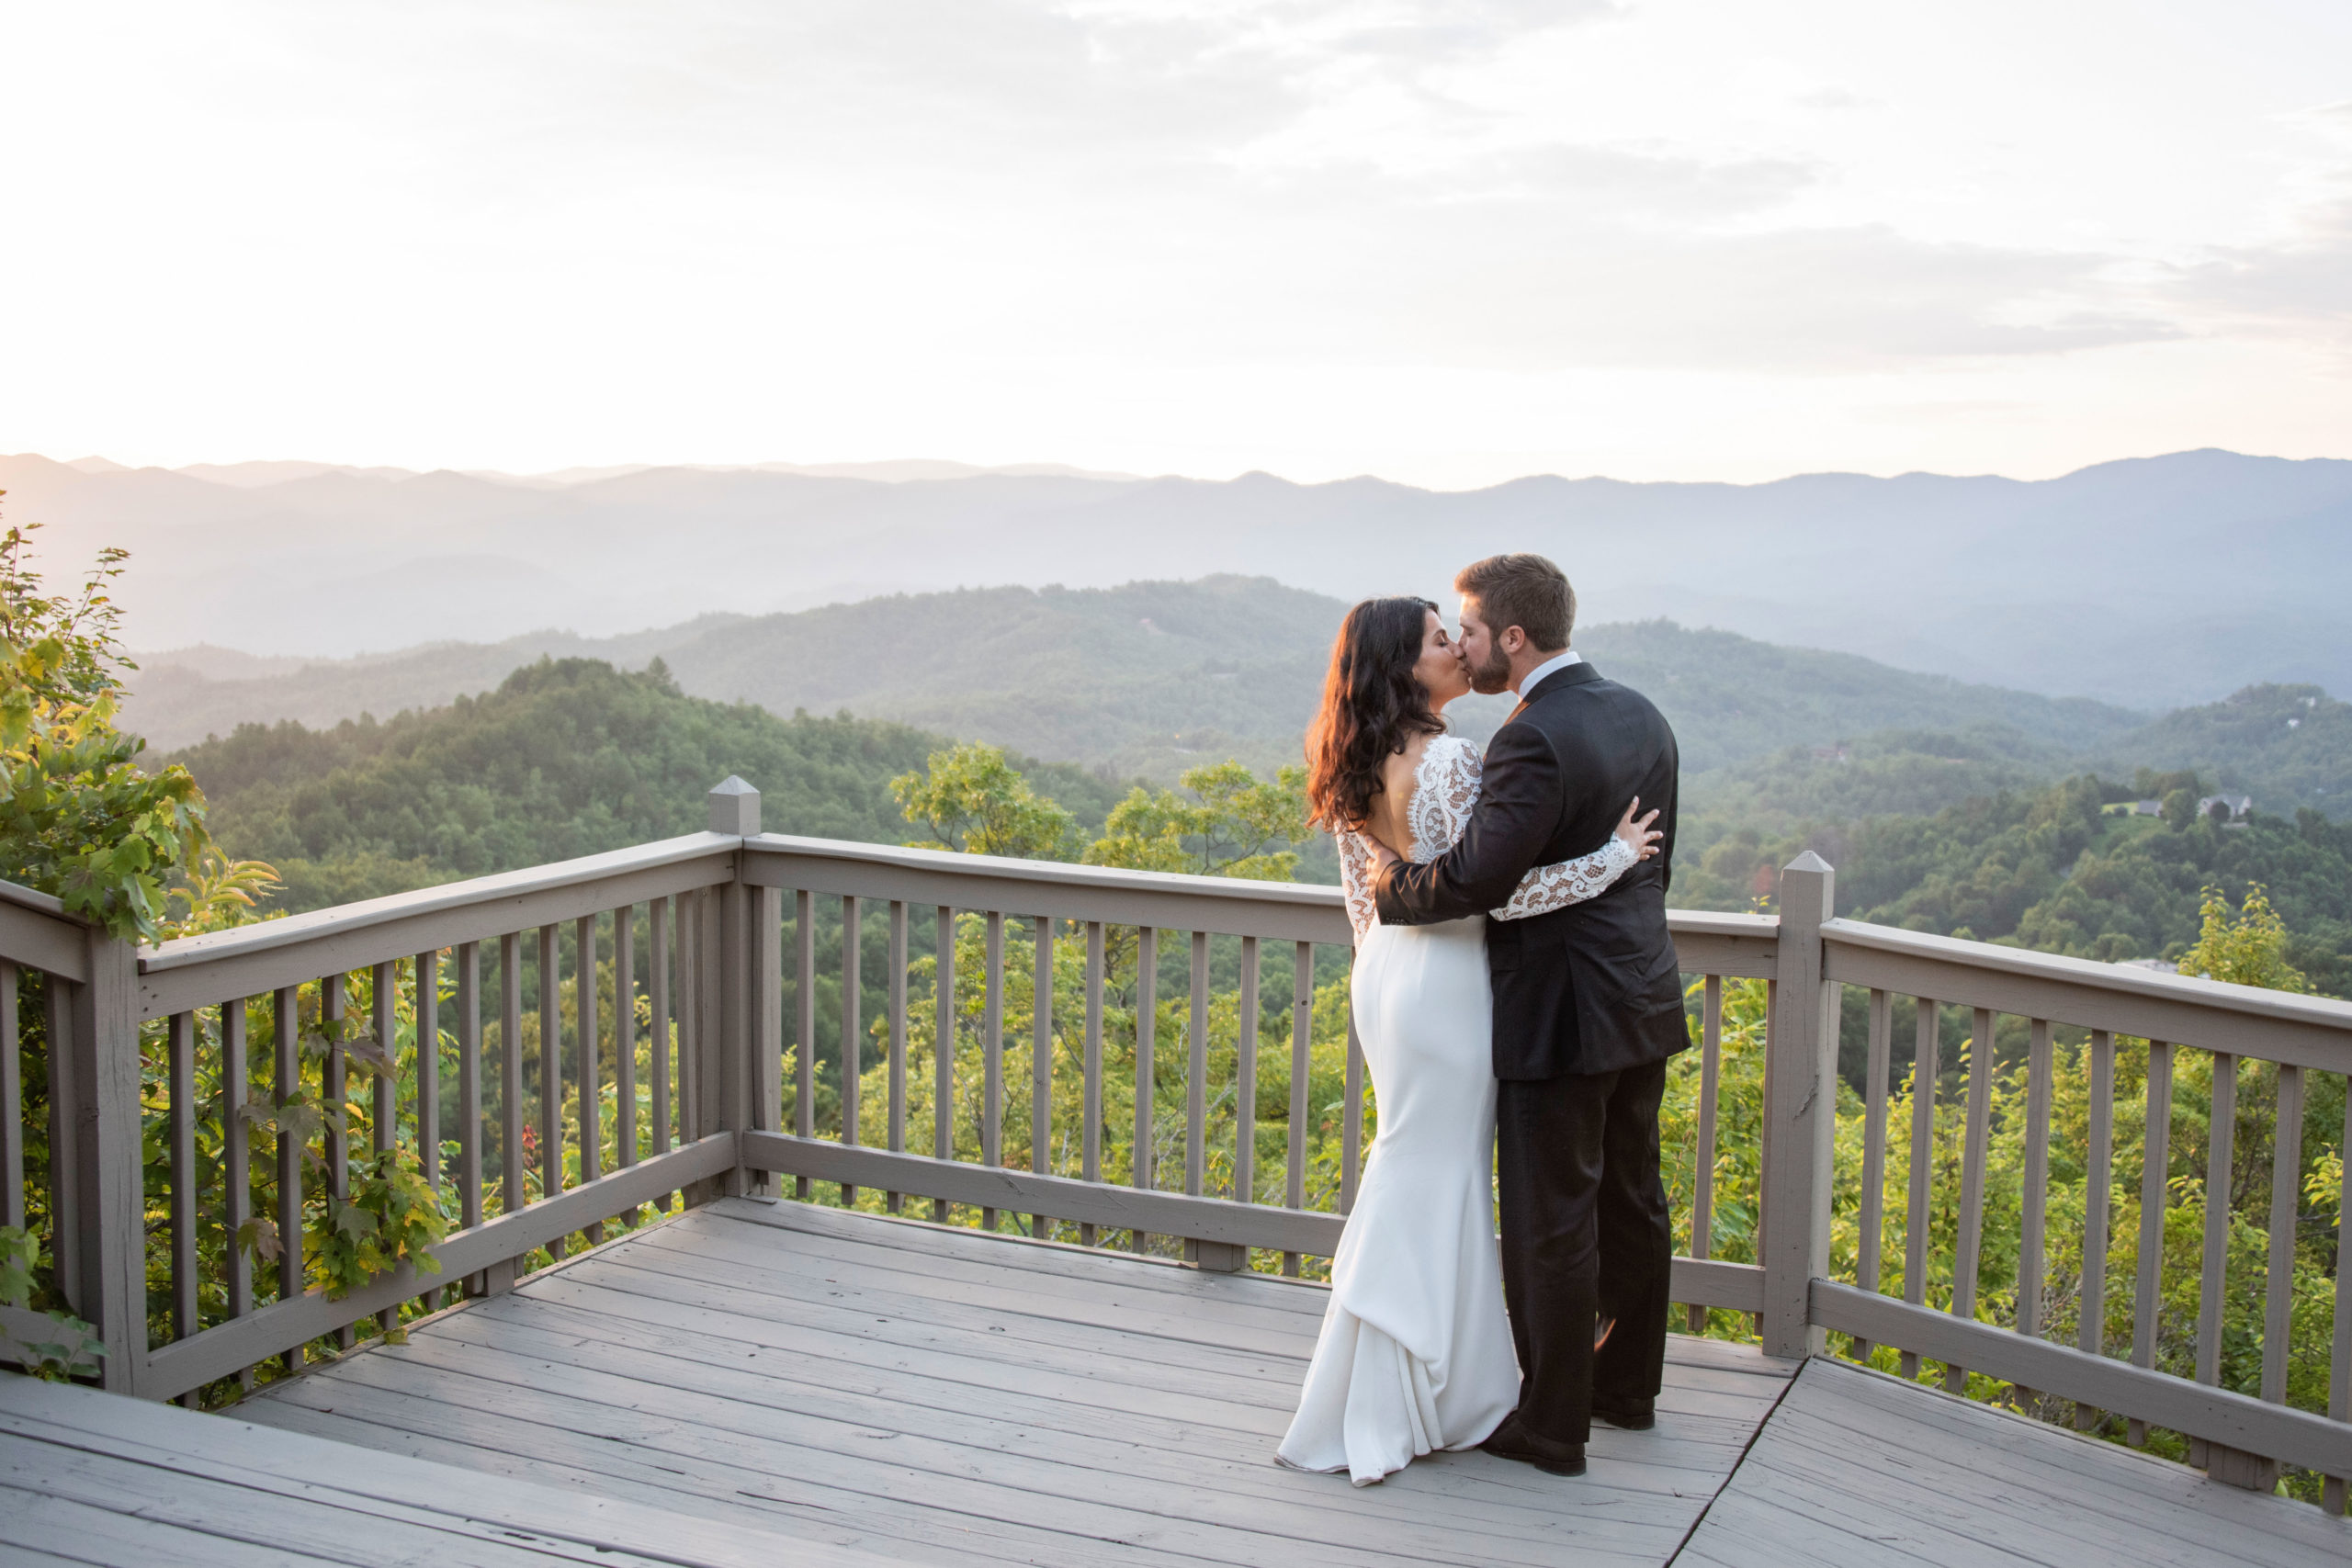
[[1446, 243]]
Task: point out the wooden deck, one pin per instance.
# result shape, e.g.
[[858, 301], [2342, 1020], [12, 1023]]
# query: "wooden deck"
[[781, 1383]]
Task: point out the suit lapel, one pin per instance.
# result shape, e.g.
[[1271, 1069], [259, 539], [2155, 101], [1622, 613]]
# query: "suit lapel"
[[1577, 674]]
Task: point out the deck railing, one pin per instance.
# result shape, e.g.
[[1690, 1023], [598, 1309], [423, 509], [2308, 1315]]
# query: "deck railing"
[[578, 1045]]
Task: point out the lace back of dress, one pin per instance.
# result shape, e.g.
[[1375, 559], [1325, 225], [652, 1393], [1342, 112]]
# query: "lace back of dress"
[[1445, 786]]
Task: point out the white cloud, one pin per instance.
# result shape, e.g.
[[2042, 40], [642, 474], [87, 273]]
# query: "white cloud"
[[1419, 238]]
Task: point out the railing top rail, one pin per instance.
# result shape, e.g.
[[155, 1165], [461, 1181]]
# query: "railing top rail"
[[32, 898], [198, 971], [36, 932], [1048, 873], [2187, 1009], [263, 936]]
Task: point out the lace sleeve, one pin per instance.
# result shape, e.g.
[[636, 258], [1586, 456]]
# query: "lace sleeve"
[[1355, 882], [1445, 786], [1549, 887]]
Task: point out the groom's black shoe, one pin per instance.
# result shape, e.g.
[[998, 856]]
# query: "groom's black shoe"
[[1513, 1440], [1633, 1414]]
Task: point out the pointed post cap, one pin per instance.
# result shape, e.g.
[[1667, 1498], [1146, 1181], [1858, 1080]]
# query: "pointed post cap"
[[1807, 889], [735, 808]]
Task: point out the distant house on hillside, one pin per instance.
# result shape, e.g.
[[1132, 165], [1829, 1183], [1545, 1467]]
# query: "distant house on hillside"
[[2147, 808], [1831, 754], [2226, 809], [2160, 965]]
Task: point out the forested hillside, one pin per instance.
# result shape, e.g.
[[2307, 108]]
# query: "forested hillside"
[[565, 758], [1148, 677], [2059, 867]]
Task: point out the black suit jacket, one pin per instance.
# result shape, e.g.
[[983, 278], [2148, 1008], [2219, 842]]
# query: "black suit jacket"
[[1592, 988]]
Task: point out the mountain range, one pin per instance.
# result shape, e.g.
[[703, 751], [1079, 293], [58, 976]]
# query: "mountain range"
[[1151, 678], [2148, 583]]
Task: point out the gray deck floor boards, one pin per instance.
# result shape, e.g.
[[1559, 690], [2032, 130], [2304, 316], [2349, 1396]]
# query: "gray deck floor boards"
[[940, 1395], [1859, 1468], [775, 1384], [91, 1477]]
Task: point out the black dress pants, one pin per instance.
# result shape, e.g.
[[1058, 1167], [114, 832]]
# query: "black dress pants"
[[1585, 1235]]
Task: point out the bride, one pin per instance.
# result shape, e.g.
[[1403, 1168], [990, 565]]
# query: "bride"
[[1415, 1353]]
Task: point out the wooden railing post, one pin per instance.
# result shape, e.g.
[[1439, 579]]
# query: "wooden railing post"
[[735, 811], [1802, 1094], [109, 1284]]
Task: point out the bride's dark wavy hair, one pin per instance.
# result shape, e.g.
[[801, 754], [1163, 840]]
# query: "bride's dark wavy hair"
[[1372, 708]]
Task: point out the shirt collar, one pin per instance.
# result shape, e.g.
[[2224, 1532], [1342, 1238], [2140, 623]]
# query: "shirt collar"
[[1549, 667]]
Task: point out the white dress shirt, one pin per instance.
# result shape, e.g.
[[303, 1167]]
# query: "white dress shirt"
[[1550, 667]]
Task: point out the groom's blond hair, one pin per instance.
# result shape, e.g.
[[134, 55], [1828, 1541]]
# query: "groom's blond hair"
[[1526, 592]]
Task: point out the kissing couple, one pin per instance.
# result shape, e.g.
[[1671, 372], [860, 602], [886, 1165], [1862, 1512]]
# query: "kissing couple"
[[1514, 979]]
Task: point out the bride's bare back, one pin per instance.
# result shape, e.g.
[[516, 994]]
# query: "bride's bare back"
[[1389, 820]]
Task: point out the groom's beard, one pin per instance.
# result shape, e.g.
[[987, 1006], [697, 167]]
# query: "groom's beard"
[[1494, 675]]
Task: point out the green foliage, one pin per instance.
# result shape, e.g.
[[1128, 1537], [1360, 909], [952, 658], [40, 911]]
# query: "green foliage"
[[390, 1217], [565, 759], [2287, 746], [2055, 869], [79, 819], [972, 799], [2245, 947], [73, 1348], [1234, 825]]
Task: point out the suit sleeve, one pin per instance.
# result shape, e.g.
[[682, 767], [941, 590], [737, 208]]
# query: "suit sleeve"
[[1518, 810]]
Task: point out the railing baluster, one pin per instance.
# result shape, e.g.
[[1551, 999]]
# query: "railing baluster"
[[2220, 1157], [1351, 1119], [590, 1070], [804, 1057], [992, 1057], [625, 1041], [1090, 1147], [1302, 1063], [286, 1026], [1926, 1068], [236, 1160], [514, 1192], [2155, 1167], [2285, 1190], [184, 1320], [1882, 1050], [12, 1104], [428, 1067], [686, 1001], [384, 1017], [1196, 1069], [943, 1048], [469, 1124], [384, 997], [551, 1073], [334, 1092], [2098, 1188], [853, 1024], [895, 1202], [2339, 1368], [65, 1128], [1702, 1197], [1969, 1250], [1041, 1062], [1245, 1081], [2036, 1197], [658, 1004], [1142, 1172]]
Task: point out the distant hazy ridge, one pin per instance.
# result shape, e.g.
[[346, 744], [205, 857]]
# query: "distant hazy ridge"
[[2150, 582]]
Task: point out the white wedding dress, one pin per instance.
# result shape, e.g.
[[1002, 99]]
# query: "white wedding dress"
[[1416, 1353]]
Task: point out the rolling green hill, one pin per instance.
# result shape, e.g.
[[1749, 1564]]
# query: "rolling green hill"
[[1150, 678], [565, 758]]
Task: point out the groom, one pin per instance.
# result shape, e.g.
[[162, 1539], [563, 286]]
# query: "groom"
[[1588, 1009]]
